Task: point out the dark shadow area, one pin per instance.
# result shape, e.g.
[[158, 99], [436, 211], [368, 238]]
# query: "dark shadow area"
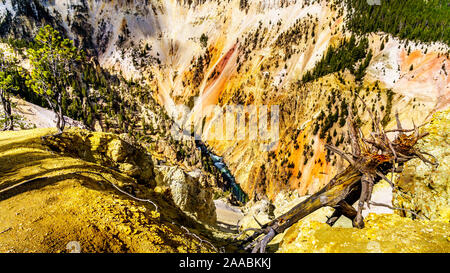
[[87, 168], [21, 160], [30, 144]]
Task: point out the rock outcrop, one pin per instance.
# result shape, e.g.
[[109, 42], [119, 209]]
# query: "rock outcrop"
[[57, 202], [257, 212], [107, 150], [423, 188], [190, 191]]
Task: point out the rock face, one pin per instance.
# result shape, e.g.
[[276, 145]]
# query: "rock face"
[[107, 150], [425, 189], [190, 192], [387, 233]]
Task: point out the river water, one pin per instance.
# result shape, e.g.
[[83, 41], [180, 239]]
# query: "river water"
[[230, 181]]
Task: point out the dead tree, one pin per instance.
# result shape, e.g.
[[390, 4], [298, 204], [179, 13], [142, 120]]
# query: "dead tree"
[[370, 160]]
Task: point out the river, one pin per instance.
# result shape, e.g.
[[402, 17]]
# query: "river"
[[229, 179]]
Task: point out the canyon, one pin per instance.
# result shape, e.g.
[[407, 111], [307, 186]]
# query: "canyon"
[[196, 59]]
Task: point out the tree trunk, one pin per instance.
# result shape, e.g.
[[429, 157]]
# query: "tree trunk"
[[331, 195], [339, 193], [9, 120], [10, 117], [57, 109], [61, 122]]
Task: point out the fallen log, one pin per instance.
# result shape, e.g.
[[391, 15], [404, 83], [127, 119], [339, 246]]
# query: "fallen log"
[[370, 161]]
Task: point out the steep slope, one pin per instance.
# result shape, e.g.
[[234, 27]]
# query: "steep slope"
[[52, 195], [222, 53]]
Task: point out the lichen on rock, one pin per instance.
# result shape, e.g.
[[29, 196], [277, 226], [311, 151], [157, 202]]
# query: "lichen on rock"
[[384, 233], [422, 188]]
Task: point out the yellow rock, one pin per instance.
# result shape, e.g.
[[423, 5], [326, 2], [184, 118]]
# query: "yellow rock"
[[424, 188], [60, 207], [387, 233], [158, 189]]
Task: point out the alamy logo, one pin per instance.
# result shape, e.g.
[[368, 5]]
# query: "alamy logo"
[[374, 2], [74, 247], [257, 123]]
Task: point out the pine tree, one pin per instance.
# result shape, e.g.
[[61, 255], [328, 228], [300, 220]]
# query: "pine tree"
[[53, 60], [204, 40]]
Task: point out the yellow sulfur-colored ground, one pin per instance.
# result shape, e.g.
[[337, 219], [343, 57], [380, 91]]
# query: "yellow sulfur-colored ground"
[[44, 206], [385, 233]]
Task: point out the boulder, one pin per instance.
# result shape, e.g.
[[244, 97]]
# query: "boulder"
[[190, 192], [262, 211]]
